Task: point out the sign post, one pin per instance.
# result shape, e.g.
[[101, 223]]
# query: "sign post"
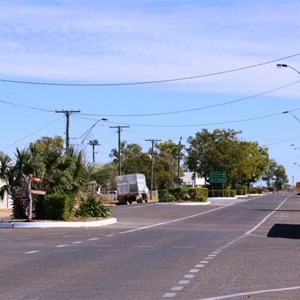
[[217, 177], [35, 192]]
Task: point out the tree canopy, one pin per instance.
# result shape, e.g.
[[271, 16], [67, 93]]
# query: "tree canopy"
[[222, 150]]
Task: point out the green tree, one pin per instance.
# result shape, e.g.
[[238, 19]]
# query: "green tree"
[[166, 164], [269, 173], [281, 178], [5, 170], [221, 150], [64, 172]]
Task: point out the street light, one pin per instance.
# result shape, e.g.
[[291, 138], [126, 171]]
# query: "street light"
[[296, 147], [94, 143], [287, 66]]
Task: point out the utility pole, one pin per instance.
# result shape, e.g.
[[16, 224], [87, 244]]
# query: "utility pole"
[[179, 155], [152, 163], [119, 145], [94, 143], [67, 114]]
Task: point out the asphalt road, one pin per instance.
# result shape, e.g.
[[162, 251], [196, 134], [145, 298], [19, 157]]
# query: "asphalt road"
[[241, 249]]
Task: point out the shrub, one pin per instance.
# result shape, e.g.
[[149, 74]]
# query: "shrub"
[[180, 192], [230, 193], [252, 191], [165, 196], [198, 194], [221, 193], [58, 207], [92, 208], [242, 190]]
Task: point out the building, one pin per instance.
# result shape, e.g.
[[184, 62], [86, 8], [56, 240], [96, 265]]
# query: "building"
[[192, 179]]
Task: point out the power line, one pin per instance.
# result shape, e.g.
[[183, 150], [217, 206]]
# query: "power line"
[[25, 106], [34, 132], [204, 107], [150, 81], [204, 124]]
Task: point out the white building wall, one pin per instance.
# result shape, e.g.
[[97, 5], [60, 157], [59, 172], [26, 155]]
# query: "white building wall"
[[187, 179]]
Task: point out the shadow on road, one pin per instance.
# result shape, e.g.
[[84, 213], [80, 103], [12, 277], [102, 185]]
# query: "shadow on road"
[[287, 231]]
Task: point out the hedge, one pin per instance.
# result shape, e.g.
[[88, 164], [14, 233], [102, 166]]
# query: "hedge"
[[58, 207]]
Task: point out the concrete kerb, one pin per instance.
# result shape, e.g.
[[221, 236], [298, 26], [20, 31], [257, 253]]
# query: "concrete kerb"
[[57, 224]]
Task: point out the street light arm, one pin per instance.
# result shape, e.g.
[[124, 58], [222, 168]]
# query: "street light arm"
[[287, 66]]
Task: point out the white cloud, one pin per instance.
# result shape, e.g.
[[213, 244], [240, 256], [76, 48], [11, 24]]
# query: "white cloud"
[[90, 41]]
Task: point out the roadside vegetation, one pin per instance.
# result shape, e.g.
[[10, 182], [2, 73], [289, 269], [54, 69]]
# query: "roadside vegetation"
[[70, 182]]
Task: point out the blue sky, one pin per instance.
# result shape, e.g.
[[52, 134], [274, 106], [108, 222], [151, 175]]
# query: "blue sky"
[[107, 42]]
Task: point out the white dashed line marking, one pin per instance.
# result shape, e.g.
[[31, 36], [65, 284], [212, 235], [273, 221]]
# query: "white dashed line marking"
[[213, 254], [32, 252], [176, 288], [93, 239], [194, 270], [62, 246], [204, 262], [79, 242], [169, 295], [184, 282]]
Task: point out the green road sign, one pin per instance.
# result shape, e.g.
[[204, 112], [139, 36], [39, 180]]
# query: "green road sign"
[[217, 177]]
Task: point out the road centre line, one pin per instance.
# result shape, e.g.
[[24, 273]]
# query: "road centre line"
[[216, 252], [173, 221], [32, 252], [267, 217]]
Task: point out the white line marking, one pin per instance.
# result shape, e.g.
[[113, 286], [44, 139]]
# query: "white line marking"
[[110, 235], [194, 270], [267, 217], [204, 262], [62, 246], [79, 242], [176, 288], [199, 266], [169, 295], [93, 239], [252, 293], [32, 252], [172, 221], [190, 276], [184, 282]]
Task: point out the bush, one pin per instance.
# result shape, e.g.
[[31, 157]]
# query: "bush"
[[221, 193], [230, 193], [242, 190], [252, 191], [198, 194], [165, 196], [183, 193], [58, 207], [92, 208], [180, 192]]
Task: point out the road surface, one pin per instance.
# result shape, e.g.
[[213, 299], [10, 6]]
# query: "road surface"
[[240, 249]]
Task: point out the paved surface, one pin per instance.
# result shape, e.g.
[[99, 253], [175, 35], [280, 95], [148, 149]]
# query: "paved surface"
[[247, 250]]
